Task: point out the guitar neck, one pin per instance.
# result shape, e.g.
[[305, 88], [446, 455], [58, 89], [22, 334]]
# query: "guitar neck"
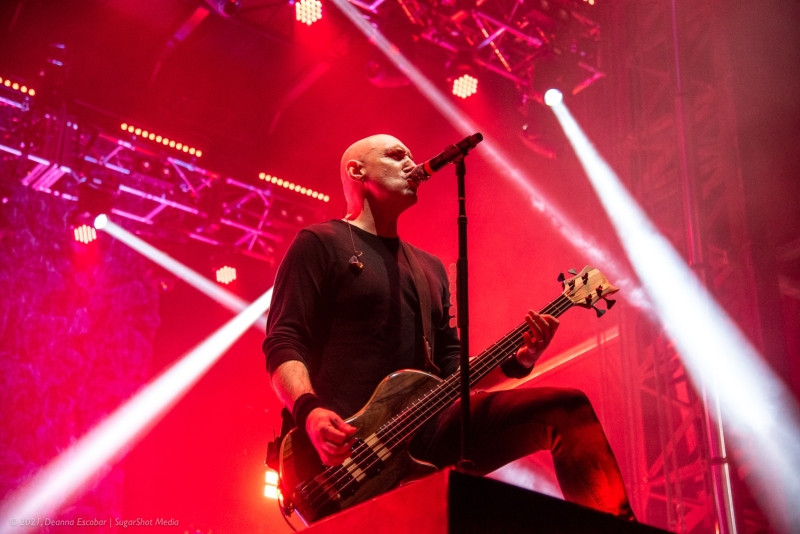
[[497, 353], [406, 423]]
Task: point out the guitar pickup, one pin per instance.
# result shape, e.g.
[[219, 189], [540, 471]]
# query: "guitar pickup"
[[366, 459]]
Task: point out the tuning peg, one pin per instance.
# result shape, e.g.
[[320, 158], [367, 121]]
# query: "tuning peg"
[[609, 302], [598, 311], [561, 277], [573, 272]]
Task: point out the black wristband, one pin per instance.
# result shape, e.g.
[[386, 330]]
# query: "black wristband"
[[302, 407]]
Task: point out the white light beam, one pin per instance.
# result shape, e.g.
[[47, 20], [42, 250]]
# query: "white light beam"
[[198, 281], [755, 401], [60, 480]]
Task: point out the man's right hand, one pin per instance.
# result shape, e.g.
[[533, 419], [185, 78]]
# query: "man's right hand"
[[330, 435]]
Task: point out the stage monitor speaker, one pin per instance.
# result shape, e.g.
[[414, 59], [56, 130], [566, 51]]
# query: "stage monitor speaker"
[[451, 502]]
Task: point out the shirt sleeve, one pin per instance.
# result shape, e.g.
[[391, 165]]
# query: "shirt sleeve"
[[447, 346], [295, 302]]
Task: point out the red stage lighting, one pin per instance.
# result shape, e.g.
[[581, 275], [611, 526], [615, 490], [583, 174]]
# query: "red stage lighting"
[[226, 274], [308, 11], [465, 86]]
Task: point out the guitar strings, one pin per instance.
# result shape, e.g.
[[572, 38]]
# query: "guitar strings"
[[338, 478], [502, 348], [399, 428]]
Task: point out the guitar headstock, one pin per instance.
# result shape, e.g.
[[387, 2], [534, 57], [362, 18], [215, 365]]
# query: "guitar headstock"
[[588, 287]]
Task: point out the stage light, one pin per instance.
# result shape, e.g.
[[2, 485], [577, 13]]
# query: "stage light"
[[718, 356], [271, 490], [461, 75], [465, 86], [143, 164], [100, 221], [157, 138], [84, 234], [96, 195], [226, 274], [291, 186], [16, 86], [553, 97], [308, 11]]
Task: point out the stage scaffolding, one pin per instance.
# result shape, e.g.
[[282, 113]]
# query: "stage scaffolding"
[[156, 191], [679, 157]]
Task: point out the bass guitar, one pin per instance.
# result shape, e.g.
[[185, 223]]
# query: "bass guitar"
[[401, 404]]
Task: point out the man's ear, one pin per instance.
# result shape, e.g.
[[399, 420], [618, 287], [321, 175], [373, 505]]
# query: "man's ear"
[[355, 170]]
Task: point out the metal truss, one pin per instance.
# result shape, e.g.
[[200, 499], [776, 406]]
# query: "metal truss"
[[157, 191], [555, 40], [683, 136]]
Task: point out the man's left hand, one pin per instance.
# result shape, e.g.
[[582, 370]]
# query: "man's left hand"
[[537, 339]]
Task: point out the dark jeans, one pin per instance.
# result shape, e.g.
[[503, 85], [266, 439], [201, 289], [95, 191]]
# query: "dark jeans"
[[507, 425]]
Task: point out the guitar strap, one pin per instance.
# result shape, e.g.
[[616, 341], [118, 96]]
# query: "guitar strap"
[[424, 295]]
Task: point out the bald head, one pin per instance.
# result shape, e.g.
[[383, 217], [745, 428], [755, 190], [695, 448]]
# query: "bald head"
[[353, 159], [358, 151]]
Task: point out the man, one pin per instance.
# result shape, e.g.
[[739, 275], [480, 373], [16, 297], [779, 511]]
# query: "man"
[[346, 313]]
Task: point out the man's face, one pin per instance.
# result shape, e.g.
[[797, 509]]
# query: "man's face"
[[386, 167]]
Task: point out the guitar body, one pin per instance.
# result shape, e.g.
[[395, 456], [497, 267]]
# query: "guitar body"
[[300, 463]]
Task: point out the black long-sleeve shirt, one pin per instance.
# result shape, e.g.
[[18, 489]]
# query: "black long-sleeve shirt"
[[351, 329]]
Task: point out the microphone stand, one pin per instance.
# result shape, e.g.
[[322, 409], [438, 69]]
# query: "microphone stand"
[[463, 313]]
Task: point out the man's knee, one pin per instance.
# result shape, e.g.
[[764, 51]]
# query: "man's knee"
[[577, 403]]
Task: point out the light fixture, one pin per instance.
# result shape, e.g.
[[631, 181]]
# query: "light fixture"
[[291, 186], [84, 234], [271, 489], [95, 197], [157, 138], [553, 97], [308, 11], [465, 86], [461, 75], [16, 86], [226, 274]]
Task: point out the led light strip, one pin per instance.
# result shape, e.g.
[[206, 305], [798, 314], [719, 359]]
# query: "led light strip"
[[24, 89], [291, 186], [157, 138]]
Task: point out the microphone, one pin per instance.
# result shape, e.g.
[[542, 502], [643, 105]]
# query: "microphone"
[[423, 171]]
